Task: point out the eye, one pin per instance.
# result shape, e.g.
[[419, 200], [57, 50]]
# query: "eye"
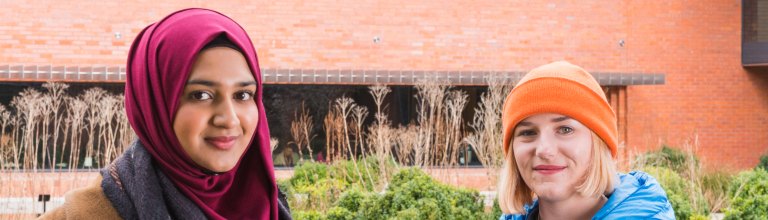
[[565, 130], [526, 133], [201, 95], [244, 95]]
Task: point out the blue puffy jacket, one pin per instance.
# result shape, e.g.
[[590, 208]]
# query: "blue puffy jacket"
[[638, 196]]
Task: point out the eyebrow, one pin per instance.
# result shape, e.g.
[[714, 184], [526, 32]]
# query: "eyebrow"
[[212, 83], [524, 123], [558, 119]]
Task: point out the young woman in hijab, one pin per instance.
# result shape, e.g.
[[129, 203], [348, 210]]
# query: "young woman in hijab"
[[193, 97], [560, 142]]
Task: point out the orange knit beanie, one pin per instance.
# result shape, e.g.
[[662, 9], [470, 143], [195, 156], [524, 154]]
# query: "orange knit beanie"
[[561, 88]]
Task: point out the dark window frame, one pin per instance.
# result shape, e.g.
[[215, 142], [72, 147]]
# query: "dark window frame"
[[754, 52]]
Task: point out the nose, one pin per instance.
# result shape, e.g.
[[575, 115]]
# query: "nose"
[[225, 114], [547, 146]]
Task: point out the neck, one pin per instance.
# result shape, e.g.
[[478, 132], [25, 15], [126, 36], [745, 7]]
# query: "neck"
[[576, 207]]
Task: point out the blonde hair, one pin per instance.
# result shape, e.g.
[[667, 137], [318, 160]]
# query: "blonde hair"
[[601, 178]]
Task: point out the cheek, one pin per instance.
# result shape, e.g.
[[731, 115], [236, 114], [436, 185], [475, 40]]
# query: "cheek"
[[189, 121], [580, 150], [523, 154], [249, 118]]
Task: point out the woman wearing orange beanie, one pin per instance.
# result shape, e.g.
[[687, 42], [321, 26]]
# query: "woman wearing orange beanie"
[[560, 142]]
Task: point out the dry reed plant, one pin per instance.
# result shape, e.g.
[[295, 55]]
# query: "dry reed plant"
[[11, 124], [106, 110], [57, 94], [48, 126], [440, 126], [91, 98], [430, 96], [76, 112], [715, 190], [45, 130], [27, 107], [344, 105], [124, 127], [486, 123], [380, 142], [455, 103], [408, 145], [301, 131], [328, 127], [694, 173], [434, 141], [111, 106], [380, 132], [359, 113], [6, 150], [29, 112], [43, 134], [334, 135]]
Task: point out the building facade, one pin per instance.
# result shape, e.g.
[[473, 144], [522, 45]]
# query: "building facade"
[[672, 70]]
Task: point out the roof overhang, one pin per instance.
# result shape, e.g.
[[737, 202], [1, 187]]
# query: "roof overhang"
[[116, 74]]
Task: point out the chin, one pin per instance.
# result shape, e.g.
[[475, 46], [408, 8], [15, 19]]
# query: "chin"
[[553, 194], [221, 168]]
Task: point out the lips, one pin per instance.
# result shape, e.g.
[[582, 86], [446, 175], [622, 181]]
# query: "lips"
[[548, 169], [222, 142]]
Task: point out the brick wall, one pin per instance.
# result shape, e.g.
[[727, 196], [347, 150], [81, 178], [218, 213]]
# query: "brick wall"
[[709, 102], [708, 98]]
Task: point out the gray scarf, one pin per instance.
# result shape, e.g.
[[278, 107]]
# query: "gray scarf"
[[139, 190]]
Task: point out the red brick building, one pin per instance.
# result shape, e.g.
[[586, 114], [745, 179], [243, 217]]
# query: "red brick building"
[[672, 69]]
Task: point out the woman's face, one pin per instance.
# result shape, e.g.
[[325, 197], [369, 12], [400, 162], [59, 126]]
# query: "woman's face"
[[217, 113], [553, 153]]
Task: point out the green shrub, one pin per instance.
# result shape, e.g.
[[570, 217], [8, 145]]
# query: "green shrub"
[[668, 157], [307, 215], [678, 192], [412, 194], [318, 196], [374, 207], [430, 209], [495, 211], [308, 173], [348, 172], [407, 214], [749, 196], [316, 186], [763, 162], [339, 213], [285, 186], [464, 203], [698, 217], [351, 199]]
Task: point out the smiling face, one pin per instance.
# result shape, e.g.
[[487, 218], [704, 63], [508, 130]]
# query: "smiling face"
[[553, 153], [217, 114]]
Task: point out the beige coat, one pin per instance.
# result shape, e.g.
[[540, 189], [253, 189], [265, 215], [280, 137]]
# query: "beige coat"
[[88, 202]]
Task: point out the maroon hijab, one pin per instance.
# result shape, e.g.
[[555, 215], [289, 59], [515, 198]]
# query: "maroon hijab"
[[159, 64]]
